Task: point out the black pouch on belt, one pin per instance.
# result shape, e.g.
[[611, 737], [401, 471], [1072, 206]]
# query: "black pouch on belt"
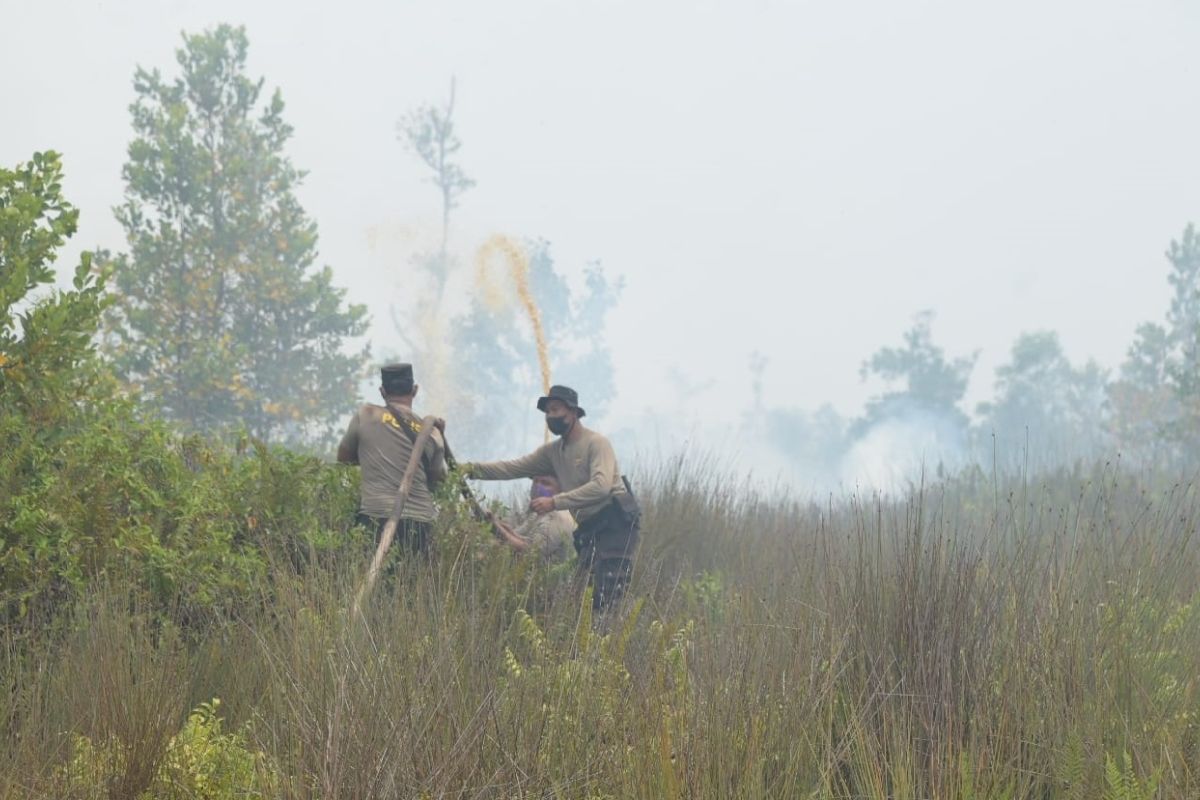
[[619, 520], [626, 507]]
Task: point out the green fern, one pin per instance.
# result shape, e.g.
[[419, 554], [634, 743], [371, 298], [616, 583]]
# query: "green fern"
[[1072, 769], [1122, 783]]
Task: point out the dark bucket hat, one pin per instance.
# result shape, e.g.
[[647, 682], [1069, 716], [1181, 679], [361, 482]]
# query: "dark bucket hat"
[[564, 393]]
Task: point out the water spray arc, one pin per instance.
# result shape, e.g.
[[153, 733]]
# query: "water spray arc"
[[518, 269]]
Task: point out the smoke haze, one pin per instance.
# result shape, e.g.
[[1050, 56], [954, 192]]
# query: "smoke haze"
[[796, 180]]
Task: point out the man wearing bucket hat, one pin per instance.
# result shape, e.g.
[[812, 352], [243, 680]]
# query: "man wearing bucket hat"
[[380, 439], [592, 488]]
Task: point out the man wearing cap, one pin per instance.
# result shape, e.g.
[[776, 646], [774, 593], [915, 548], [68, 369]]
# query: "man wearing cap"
[[592, 489], [380, 439]]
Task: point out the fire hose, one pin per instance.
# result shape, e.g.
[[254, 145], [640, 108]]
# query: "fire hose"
[[393, 521], [477, 510]]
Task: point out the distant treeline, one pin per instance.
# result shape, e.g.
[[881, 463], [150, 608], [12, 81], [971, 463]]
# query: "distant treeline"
[[1045, 412]]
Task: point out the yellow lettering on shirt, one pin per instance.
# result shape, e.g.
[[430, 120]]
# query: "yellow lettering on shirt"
[[388, 419]]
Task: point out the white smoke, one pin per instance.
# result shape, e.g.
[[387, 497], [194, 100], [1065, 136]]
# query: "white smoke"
[[897, 452]]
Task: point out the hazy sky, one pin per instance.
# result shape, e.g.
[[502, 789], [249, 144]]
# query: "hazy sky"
[[794, 178]]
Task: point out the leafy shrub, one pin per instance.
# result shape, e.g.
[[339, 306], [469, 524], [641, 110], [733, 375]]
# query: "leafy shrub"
[[90, 487], [201, 762], [187, 521], [44, 341]]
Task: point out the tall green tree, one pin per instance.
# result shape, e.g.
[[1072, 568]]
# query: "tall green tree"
[[1046, 410], [1183, 330], [222, 318], [920, 379], [1156, 398], [1142, 400]]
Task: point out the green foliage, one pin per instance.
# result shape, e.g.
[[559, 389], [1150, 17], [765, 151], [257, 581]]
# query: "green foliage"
[[201, 762], [89, 487], [931, 383], [1046, 411], [706, 591], [181, 519], [1156, 400], [946, 645], [941, 646], [221, 319], [1141, 398], [1122, 782], [44, 342], [1071, 769], [578, 686]]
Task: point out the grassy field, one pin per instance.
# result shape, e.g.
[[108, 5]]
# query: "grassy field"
[[975, 639]]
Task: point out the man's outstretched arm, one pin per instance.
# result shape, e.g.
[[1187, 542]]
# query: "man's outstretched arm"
[[530, 466]]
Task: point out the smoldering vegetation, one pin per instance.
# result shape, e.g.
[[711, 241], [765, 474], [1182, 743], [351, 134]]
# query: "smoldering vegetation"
[[971, 640]]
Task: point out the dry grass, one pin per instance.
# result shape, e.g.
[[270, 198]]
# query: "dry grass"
[[968, 641]]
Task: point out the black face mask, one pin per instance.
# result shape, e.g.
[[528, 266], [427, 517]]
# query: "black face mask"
[[558, 425]]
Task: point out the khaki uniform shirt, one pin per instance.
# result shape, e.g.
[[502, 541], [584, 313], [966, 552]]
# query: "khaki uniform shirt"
[[549, 535], [382, 449], [586, 470]]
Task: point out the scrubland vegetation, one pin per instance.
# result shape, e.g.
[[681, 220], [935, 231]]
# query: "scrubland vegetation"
[[971, 640], [175, 593]]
